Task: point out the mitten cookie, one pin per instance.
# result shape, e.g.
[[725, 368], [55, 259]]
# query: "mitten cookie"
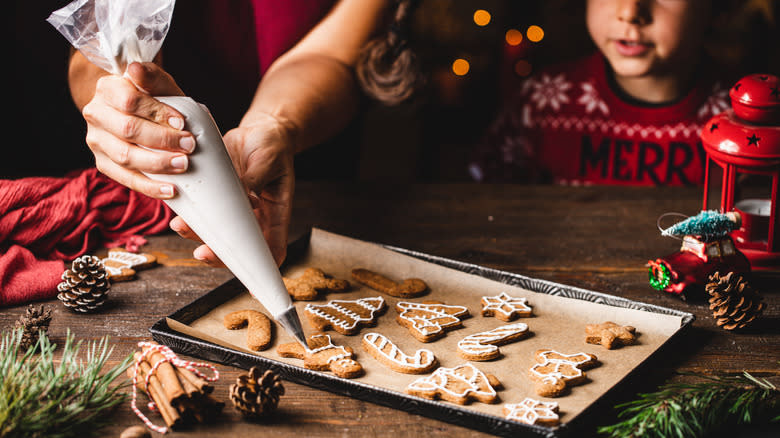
[[505, 307], [428, 321], [411, 287], [610, 335], [555, 371], [121, 265], [458, 385], [313, 280], [345, 316], [484, 346], [322, 355], [387, 353], [259, 327]]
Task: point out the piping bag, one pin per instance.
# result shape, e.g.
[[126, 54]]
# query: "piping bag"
[[209, 197]]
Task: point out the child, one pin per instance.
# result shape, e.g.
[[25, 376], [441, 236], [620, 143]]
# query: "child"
[[629, 114]]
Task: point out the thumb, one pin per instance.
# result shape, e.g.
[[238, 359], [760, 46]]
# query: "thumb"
[[152, 79]]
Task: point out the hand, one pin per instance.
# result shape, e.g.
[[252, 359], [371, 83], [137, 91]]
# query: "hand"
[[262, 153], [120, 117]]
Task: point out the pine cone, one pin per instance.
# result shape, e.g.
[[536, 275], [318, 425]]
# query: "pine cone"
[[734, 303], [34, 320], [256, 395], [85, 285]]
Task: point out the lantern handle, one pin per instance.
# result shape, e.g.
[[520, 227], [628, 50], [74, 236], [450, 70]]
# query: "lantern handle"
[[670, 213]]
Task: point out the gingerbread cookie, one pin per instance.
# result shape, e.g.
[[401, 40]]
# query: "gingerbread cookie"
[[458, 385], [484, 346], [322, 355], [411, 287], [386, 352], [505, 307], [121, 265], [345, 316], [313, 280], [428, 321], [259, 328], [610, 335], [555, 371], [530, 411]]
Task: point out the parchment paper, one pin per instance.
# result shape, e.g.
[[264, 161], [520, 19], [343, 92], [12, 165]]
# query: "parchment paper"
[[558, 323]]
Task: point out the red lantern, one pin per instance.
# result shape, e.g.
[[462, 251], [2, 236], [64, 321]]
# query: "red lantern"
[[746, 140]]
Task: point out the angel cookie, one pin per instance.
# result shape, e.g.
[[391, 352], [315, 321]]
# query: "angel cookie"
[[322, 355], [428, 321], [345, 316], [610, 335], [530, 411], [555, 371], [458, 385], [505, 307], [387, 353], [484, 346]]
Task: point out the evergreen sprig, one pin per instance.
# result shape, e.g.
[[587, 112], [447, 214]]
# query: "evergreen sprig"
[[694, 409], [42, 398]]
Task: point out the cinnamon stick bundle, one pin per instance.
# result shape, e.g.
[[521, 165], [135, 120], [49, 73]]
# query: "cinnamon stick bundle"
[[182, 397]]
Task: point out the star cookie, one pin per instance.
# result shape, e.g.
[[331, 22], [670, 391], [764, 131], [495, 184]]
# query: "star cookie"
[[505, 307], [458, 385], [555, 371], [610, 335], [313, 280], [345, 316], [530, 411], [428, 321], [323, 355]]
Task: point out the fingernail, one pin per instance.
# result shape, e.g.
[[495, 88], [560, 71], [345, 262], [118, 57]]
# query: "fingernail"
[[176, 122], [187, 143], [179, 162], [166, 191], [198, 254]]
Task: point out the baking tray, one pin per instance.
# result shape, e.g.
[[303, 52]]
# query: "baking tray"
[[463, 415]]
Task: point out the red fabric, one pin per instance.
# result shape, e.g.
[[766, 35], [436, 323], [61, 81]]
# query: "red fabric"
[[567, 125], [45, 221]]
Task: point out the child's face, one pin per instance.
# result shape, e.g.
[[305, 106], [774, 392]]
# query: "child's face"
[[642, 38]]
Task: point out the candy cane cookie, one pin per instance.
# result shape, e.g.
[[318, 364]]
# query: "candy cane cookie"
[[428, 321], [387, 353], [505, 307], [458, 385], [345, 316], [484, 346], [555, 371]]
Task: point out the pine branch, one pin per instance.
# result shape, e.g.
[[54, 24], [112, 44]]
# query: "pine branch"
[[693, 409], [39, 398]]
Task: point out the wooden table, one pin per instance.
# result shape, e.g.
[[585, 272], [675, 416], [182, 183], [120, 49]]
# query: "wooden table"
[[595, 238]]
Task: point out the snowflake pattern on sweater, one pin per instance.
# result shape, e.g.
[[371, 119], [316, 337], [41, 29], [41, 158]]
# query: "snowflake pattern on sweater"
[[567, 125]]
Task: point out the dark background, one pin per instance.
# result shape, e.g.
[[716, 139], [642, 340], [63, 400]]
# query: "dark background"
[[427, 140]]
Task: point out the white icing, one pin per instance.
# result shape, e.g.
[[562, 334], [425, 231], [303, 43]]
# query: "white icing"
[[436, 318], [422, 358], [505, 304], [482, 343], [339, 356], [343, 317], [443, 379], [529, 411], [565, 368]]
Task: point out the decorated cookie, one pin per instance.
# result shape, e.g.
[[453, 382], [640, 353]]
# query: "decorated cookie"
[[345, 316], [259, 328], [411, 287], [530, 411], [610, 335], [387, 353], [121, 265], [505, 307], [458, 385], [322, 355], [555, 371], [313, 280], [428, 321], [484, 345]]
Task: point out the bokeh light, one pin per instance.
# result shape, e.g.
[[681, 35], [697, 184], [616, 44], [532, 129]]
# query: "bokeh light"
[[460, 67], [535, 33], [523, 68], [513, 37], [481, 17]]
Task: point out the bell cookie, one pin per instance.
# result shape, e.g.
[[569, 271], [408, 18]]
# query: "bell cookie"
[[505, 307], [457, 385], [556, 371], [313, 281], [259, 327], [345, 316], [484, 346], [388, 354], [610, 335], [121, 265], [530, 411], [409, 288], [428, 321], [323, 355]]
